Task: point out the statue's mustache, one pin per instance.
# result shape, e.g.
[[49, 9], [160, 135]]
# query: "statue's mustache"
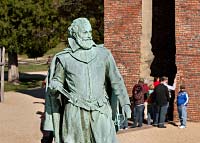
[[85, 39]]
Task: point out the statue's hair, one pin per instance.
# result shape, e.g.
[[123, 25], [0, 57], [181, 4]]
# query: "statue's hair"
[[74, 27]]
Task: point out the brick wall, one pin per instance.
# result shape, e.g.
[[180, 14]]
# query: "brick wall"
[[188, 52], [122, 20]]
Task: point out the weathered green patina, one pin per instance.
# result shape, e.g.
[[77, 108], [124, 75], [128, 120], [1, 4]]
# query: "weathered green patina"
[[83, 84]]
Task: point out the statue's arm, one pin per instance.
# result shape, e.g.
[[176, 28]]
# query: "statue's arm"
[[118, 86], [51, 102], [58, 77], [116, 81]]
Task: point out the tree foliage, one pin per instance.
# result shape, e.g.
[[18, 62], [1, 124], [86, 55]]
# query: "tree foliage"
[[34, 26], [91, 9], [28, 26]]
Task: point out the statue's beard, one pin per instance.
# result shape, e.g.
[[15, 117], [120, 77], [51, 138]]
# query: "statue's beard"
[[85, 43]]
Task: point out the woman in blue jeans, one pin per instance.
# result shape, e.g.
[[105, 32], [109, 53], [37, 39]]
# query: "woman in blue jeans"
[[139, 110], [138, 101]]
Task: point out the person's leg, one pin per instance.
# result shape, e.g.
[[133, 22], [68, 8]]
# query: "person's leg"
[[180, 115], [141, 112], [149, 114], [136, 116], [184, 115], [163, 112], [156, 115]]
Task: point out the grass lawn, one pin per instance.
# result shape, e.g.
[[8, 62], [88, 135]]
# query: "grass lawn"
[[23, 85], [29, 81], [26, 81], [33, 67]]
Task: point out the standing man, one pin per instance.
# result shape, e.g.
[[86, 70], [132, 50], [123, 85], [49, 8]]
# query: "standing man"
[[83, 81], [161, 99]]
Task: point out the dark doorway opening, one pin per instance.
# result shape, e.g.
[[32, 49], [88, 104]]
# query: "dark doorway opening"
[[163, 43]]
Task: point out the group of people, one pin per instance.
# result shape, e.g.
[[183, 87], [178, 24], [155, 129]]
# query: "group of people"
[[151, 102]]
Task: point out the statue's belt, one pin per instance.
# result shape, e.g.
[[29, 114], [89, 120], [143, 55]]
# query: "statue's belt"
[[94, 104]]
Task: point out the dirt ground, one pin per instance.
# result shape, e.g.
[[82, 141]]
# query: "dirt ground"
[[20, 123]]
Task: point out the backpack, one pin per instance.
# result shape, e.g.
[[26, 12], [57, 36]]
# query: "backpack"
[[138, 91]]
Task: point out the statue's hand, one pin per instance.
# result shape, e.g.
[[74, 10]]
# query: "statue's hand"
[[52, 91], [53, 88], [127, 110]]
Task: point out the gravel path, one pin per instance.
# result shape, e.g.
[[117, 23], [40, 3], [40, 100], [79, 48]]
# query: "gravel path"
[[20, 123], [171, 134], [20, 118]]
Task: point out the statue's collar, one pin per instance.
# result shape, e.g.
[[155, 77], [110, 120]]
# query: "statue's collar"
[[85, 56]]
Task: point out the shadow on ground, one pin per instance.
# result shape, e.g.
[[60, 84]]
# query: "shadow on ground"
[[37, 93], [26, 76], [173, 123], [33, 84]]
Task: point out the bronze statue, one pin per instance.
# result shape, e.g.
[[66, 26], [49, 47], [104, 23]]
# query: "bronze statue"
[[83, 84]]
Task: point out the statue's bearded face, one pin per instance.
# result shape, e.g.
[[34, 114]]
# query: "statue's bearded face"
[[84, 35]]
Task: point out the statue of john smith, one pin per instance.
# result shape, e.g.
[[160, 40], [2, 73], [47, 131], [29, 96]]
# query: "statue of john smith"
[[83, 87]]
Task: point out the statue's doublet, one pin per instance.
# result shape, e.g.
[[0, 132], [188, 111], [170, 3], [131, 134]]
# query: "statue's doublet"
[[86, 71]]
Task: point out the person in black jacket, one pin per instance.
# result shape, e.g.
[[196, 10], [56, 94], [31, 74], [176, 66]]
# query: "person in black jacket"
[[161, 100]]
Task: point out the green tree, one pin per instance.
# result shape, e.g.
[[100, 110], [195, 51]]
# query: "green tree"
[[34, 26], [91, 9], [27, 26]]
